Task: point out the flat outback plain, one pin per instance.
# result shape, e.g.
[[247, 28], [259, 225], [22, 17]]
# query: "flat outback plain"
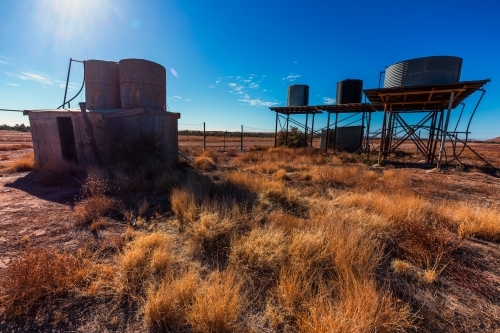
[[261, 240]]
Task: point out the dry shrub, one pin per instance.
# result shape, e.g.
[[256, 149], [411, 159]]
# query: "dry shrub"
[[263, 251], [232, 152], [280, 174], [396, 181], [358, 307], [93, 208], [4, 157], [211, 154], [476, 221], [419, 230], [204, 163], [98, 224], [286, 222], [218, 304], [37, 276], [24, 163], [336, 175], [258, 184], [166, 306], [183, 205], [210, 236], [147, 258]]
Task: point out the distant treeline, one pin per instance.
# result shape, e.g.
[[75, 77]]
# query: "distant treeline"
[[16, 127], [228, 134]]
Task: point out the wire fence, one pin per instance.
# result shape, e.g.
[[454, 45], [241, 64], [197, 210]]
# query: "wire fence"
[[200, 135]]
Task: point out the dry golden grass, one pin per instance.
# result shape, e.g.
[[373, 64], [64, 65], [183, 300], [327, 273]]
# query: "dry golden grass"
[[93, 208], [476, 221], [204, 163], [167, 306], [24, 163], [15, 147], [147, 258], [336, 175], [218, 304], [36, 276], [183, 205]]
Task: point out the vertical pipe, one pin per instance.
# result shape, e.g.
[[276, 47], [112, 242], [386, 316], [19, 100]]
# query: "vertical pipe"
[[312, 131], [445, 129], [368, 133], [305, 131], [204, 137], [362, 128], [67, 81], [436, 137], [389, 133], [335, 131], [327, 132], [241, 143], [286, 134], [276, 132], [382, 134]]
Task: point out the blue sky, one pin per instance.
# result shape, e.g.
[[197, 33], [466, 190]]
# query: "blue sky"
[[228, 61]]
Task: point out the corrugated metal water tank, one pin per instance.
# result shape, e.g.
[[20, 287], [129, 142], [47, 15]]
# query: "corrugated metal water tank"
[[143, 84], [298, 95], [102, 86], [421, 71], [349, 91]]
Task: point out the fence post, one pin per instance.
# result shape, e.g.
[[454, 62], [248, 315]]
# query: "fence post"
[[241, 148], [225, 140], [204, 138]]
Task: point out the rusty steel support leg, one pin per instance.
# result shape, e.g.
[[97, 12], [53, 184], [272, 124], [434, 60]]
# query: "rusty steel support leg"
[[382, 135], [327, 132], [335, 131], [312, 131], [445, 130], [286, 134], [388, 137], [436, 137], [276, 132], [305, 130]]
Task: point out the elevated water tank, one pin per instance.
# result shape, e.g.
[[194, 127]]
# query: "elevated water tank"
[[143, 84], [298, 95], [349, 91], [102, 85], [421, 71]]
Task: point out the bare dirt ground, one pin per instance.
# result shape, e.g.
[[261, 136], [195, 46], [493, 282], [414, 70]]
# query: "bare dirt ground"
[[35, 212]]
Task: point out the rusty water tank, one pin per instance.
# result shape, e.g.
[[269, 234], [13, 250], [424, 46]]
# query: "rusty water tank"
[[349, 91], [143, 83], [102, 86], [298, 95]]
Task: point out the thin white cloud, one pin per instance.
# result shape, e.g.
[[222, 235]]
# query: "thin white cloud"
[[236, 88], [4, 62], [211, 86], [256, 102], [291, 77], [46, 80], [177, 97], [217, 82], [187, 100], [254, 86], [13, 84], [328, 100]]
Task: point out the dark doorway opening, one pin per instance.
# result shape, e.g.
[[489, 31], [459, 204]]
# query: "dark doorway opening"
[[67, 138]]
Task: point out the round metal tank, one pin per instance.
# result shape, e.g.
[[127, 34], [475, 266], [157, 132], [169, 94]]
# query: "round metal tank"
[[143, 84], [102, 85], [349, 91], [421, 71], [298, 95]]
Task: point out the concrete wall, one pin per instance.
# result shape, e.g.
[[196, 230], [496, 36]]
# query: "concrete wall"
[[116, 125]]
